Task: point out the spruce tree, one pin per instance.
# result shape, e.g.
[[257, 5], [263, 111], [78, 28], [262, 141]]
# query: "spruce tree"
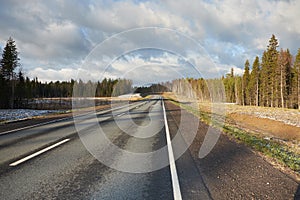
[[246, 79], [296, 79], [9, 63], [272, 65], [9, 60], [264, 80], [254, 82]]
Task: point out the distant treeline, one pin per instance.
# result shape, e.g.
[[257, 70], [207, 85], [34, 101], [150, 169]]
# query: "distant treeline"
[[273, 82], [201, 89], [154, 88], [16, 89], [26, 89]]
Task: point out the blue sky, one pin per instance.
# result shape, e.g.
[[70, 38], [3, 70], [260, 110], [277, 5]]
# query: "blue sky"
[[55, 38]]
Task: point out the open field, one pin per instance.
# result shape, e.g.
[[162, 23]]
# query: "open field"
[[66, 103], [272, 122], [287, 116], [274, 132]]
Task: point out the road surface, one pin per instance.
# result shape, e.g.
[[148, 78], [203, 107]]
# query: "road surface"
[[51, 161]]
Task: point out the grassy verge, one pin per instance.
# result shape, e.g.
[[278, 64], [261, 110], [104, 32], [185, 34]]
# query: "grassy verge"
[[274, 149]]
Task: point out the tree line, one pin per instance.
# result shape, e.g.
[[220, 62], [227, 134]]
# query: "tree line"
[[273, 82], [204, 90], [16, 89]]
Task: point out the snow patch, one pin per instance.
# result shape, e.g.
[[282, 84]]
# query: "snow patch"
[[9, 115]]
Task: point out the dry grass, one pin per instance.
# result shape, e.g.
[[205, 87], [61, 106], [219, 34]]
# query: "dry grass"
[[269, 123], [257, 133]]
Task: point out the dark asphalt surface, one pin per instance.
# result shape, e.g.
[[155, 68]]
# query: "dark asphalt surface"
[[230, 171], [71, 172]]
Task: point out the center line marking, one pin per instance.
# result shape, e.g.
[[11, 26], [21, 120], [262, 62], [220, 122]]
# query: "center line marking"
[[175, 181], [38, 153]]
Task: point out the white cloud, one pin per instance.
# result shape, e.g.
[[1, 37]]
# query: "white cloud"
[[47, 75], [53, 36]]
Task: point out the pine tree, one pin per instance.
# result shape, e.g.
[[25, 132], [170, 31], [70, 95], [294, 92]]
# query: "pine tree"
[[254, 82], [4, 86], [264, 80], [289, 79], [245, 87], [284, 74], [9, 63], [238, 90], [229, 84], [20, 88], [281, 64], [272, 65], [296, 78]]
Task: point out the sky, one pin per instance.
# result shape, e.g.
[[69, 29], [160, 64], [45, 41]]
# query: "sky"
[[146, 41]]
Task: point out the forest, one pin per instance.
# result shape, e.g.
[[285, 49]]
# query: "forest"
[[272, 81], [16, 89]]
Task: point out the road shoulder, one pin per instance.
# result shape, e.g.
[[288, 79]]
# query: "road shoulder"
[[232, 170]]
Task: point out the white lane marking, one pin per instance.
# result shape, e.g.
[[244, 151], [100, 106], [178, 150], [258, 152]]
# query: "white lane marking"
[[119, 115], [32, 126], [175, 181], [38, 153]]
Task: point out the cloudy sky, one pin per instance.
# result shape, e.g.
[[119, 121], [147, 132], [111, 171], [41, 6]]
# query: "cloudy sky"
[[64, 39]]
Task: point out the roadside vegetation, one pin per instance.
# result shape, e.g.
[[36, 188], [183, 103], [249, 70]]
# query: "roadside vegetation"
[[273, 84], [281, 152]]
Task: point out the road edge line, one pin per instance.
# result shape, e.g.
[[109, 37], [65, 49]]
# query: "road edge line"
[[174, 176]]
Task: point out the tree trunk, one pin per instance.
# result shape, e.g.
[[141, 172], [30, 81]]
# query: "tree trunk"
[[257, 92], [272, 92], [12, 98], [299, 88], [281, 87]]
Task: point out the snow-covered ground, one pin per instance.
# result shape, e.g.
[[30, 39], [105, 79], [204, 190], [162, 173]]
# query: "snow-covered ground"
[[131, 95], [20, 114]]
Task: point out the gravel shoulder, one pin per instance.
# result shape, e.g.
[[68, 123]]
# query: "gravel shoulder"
[[232, 170]]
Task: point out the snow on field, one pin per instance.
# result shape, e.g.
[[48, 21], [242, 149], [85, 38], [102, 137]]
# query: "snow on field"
[[130, 95], [20, 114]]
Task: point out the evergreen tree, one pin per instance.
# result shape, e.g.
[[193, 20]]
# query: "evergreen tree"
[[229, 84], [245, 87], [296, 79], [272, 65], [9, 63], [254, 82], [4, 89], [289, 78], [264, 81], [20, 88], [284, 75], [238, 90]]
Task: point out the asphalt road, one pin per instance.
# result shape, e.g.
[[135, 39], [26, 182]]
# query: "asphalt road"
[[69, 171], [53, 161]]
